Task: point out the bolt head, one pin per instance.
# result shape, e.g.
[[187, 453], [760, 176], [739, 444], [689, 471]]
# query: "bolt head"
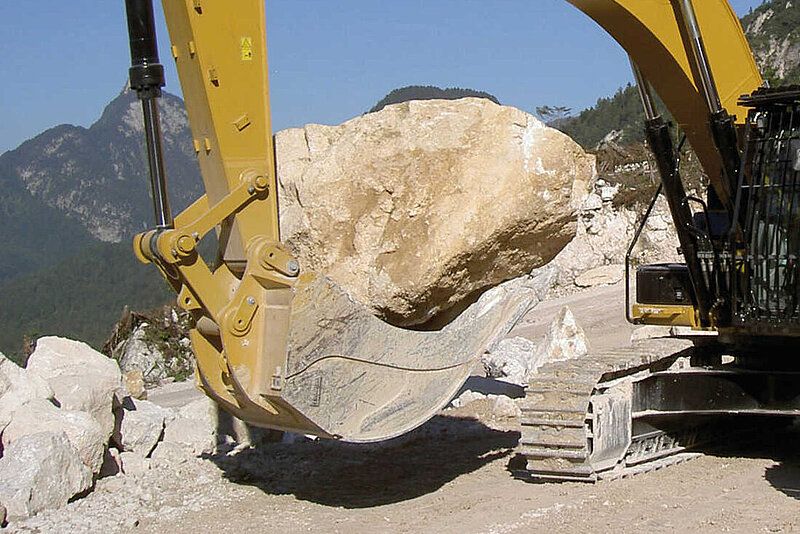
[[251, 301], [293, 267]]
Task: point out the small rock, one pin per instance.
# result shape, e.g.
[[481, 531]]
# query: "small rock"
[[81, 378], [191, 436], [134, 464], [593, 202], [467, 397], [510, 360], [39, 472], [141, 424], [169, 454], [608, 192], [82, 430], [3, 513], [605, 275], [134, 382], [565, 340], [504, 407]]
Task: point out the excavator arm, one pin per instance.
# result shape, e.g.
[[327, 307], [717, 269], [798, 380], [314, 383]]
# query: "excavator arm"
[[282, 348], [654, 36]]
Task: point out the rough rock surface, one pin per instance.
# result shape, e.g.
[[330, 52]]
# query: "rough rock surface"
[[604, 275], [81, 378], [18, 386], [41, 471], [141, 425], [517, 359], [509, 360], [417, 207], [194, 429], [83, 431], [136, 354], [601, 241]]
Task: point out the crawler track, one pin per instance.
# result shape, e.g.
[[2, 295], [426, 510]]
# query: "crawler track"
[[561, 419]]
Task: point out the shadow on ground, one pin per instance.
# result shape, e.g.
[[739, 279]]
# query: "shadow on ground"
[[358, 476], [777, 440]]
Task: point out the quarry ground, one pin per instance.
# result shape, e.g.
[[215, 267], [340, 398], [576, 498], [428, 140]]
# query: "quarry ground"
[[454, 475]]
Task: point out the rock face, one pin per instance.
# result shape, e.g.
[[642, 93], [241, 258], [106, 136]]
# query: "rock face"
[[81, 378], [417, 207], [41, 471]]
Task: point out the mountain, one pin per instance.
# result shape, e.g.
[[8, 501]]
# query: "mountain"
[[773, 31], [67, 197], [428, 92], [97, 176]]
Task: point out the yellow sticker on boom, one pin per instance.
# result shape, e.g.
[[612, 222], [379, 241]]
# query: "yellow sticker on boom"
[[246, 48]]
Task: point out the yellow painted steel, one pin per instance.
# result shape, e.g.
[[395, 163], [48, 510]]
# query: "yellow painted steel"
[[665, 315], [219, 48], [650, 32]]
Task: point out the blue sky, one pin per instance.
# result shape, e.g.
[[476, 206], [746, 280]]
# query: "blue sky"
[[62, 62]]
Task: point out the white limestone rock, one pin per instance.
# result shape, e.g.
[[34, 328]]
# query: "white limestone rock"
[[137, 354], [516, 359], [565, 340], [41, 471], [133, 463], [510, 360], [504, 407], [82, 430], [141, 425], [599, 276], [81, 378], [393, 205], [18, 386], [194, 428]]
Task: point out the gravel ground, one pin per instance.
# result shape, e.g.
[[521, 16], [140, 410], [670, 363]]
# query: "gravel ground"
[[453, 475]]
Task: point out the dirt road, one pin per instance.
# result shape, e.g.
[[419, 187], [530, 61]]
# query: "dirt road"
[[454, 476]]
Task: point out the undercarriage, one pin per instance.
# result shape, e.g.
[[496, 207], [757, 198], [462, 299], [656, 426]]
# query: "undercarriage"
[[632, 410]]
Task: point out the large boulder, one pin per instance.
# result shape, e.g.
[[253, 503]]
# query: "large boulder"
[[41, 471], [416, 208], [17, 387], [83, 431], [81, 378]]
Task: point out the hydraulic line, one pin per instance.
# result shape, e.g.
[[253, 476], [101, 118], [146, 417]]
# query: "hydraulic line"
[[147, 79]]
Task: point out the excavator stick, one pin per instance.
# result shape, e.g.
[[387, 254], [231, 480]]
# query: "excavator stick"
[[274, 346]]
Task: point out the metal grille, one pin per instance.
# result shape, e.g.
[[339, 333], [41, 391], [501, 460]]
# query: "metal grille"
[[765, 271]]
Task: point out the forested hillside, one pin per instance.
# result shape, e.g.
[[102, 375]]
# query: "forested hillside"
[[428, 92]]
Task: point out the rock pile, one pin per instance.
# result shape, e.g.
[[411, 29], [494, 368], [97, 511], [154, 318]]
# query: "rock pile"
[[152, 347], [67, 420], [416, 208], [516, 359]]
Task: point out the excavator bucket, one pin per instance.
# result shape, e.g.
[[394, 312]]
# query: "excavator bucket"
[[350, 376]]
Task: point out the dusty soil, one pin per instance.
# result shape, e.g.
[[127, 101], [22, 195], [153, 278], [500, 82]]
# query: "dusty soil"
[[452, 476]]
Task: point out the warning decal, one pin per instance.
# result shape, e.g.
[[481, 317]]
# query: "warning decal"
[[246, 48]]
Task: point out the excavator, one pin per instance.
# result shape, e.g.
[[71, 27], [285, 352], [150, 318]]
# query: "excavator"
[[283, 348]]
